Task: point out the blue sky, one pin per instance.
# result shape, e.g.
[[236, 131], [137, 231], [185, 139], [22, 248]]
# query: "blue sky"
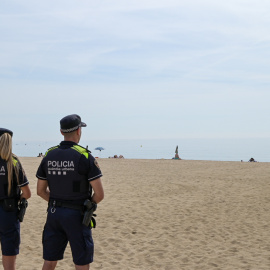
[[136, 69]]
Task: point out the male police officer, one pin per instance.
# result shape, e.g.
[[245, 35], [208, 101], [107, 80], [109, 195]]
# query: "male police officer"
[[66, 177]]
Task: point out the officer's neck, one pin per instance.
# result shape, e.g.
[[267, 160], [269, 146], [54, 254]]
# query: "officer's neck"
[[72, 139]]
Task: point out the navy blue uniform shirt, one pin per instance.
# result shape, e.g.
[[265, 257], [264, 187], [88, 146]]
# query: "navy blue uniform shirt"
[[22, 181], [88, 167]]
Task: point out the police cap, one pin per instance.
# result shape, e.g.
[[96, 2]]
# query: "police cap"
[[71, 123], [4, 130]]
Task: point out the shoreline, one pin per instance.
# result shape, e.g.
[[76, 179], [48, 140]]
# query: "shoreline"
[[136, 159]]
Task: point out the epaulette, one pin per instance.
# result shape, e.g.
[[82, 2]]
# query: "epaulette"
[[86, 148], [15, 159], [14, 156], [81, 149], [50, 149], [16, 162]]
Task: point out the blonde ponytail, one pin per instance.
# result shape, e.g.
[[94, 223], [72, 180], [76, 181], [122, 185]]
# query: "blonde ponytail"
[[6, 154]]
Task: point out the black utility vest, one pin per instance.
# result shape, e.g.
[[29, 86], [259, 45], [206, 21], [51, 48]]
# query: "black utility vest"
[[64, 180], [15, 191]]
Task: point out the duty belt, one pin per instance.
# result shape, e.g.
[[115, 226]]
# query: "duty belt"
[[3, 200], [54, 203]]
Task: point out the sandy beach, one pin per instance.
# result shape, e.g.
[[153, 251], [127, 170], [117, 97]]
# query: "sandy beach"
[[168, 214]]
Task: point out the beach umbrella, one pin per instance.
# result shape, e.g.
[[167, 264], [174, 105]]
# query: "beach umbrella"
[[176, 150], [99, 148]]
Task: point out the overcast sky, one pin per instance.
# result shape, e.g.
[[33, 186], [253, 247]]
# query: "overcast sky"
[[136, 69]]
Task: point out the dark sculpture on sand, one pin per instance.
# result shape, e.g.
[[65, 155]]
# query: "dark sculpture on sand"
[[176, 154]]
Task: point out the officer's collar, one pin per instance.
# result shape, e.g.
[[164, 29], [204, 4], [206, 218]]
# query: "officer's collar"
[[68, 143]]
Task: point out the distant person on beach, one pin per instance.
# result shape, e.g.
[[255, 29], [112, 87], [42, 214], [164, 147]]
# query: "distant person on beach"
[[115, 156], [252, 160], [66, 177], [14, 187]]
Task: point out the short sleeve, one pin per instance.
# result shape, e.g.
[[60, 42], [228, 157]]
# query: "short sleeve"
[[95, 171], [89, 166], [41, 173], [23, 181]]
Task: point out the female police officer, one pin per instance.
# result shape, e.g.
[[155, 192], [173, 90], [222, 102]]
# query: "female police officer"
[[66, 177], [13, 187]]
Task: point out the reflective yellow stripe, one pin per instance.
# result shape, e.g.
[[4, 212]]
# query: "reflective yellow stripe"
[[52, 148], [81, 150], [15, 161]]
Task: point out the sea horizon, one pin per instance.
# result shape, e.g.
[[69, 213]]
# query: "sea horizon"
[[218, 149]]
